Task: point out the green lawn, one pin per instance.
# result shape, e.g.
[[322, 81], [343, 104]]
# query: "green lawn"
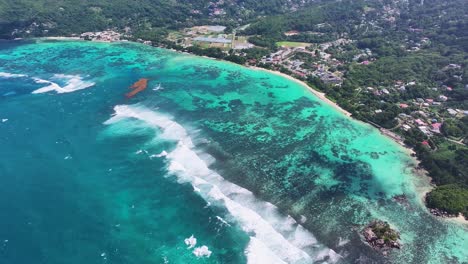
[[290, 44], [173, 35]]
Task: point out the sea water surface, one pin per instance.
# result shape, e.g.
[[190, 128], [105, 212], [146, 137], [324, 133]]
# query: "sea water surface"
[[212, 163]]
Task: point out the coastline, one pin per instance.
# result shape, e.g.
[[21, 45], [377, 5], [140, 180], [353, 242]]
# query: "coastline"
[[61, 38], [419, 173], [460, 219], [423, 182], [320, 95]]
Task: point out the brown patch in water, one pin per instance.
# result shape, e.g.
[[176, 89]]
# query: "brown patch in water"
[[137, 87]]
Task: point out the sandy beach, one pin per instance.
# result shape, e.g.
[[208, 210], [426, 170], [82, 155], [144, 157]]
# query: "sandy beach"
[[323, 97], [61, 38], [459, 220], [422, 188], [315, 92]]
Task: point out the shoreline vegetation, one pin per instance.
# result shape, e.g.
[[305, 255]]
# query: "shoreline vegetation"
[[418, 171]]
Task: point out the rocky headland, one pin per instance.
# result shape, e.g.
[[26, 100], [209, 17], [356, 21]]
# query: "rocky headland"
[[380, 236]]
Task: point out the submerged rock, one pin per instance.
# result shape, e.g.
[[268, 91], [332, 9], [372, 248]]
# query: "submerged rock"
[[402, 199], [381, 237]]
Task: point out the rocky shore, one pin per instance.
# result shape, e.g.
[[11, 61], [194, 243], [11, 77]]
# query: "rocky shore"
[[381, 237], [441, 213]]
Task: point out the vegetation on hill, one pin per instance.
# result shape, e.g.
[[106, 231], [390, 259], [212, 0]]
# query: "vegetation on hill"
[[62, 17], [381, 236], [449, 198]]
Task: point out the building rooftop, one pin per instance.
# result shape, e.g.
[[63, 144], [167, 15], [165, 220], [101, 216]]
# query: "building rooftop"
[[214, 40]]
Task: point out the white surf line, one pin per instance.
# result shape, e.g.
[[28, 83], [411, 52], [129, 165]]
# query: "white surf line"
[[8, 75], [50, 87], [73, 83], [266, 229]]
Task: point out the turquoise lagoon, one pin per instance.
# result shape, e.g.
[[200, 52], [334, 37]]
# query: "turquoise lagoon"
[[213, 163]]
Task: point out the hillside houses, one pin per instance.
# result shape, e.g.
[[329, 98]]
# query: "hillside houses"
[[285, 57], [105, 36]]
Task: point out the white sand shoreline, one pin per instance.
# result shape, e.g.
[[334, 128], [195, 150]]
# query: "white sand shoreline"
[[61, 38], [460, 219], [320, 95], [323, 97], [420, 173]]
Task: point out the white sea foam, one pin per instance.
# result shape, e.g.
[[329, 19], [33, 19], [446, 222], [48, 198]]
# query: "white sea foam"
[[257, 252], [50, 87], [7, 75], [140, 151], [327, 255], [342, 242], [222, 220], [273, 236], [72, 83], [9, 93], [158, 87], [4, 120], [202, 251], [191, 242], [303, 219], [160, 155]]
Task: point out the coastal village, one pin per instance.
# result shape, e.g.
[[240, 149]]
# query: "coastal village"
[[104, 36], [321, 60], [390, 106]]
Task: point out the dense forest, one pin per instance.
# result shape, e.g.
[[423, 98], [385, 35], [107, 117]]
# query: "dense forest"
[[21, 18]]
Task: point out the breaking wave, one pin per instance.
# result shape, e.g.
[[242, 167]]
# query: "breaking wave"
[[274, 238], [72, 83], [7, 75]]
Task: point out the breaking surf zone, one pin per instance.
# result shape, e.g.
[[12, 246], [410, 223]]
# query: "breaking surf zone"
[[273, 236], [71, 83]]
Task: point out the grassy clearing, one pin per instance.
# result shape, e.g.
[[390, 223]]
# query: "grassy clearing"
[[290, 44]]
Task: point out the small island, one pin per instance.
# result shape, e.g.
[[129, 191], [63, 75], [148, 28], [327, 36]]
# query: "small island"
[[380, 236]]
